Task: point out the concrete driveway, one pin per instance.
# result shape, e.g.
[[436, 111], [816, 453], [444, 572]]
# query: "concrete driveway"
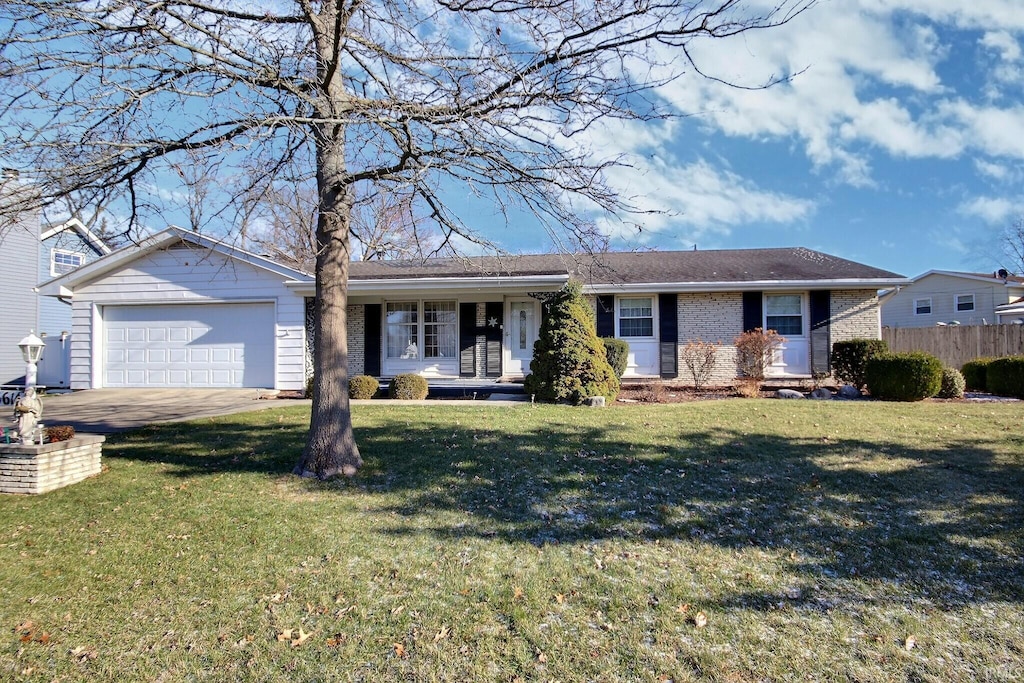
[[104, 411]]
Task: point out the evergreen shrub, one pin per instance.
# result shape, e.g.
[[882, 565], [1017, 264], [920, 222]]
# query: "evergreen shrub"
[[617, 351], [974, 372], [363, 386], [903, 376], [569, 361], [408, 387], [1005, 376], [849, 359], [953, 383]]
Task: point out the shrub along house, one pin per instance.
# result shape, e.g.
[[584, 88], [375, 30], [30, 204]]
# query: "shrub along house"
[[180, 309]]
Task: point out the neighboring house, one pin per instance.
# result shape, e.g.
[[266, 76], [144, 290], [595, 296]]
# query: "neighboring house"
[[184, 310], [32, 254], [945, 297], [1012, 312]]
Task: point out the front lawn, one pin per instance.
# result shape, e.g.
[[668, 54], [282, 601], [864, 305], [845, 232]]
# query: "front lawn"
[[735, 540]]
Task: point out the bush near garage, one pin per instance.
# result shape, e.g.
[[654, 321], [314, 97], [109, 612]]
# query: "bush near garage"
[[1005, 376], [617, 351], [904, 376], [363, 387], [408, 387], [849, 359], [974, 372]]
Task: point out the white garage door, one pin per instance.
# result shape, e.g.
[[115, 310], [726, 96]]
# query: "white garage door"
[[196, 345]]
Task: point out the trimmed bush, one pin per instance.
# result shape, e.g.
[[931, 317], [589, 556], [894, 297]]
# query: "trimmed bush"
[[1005, 376], [953, 383], [849, 359], [408, 387], [974, 372], [617, 351], [569, 361], [363, 386], [903, 376]]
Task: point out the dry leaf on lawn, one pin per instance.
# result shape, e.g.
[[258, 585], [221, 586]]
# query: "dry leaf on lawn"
[[910, 643], [700, 619], [301, 638], [442, 634]]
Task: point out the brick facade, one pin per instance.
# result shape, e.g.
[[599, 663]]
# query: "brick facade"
[[855, 315], [356, 339], [711, 317]]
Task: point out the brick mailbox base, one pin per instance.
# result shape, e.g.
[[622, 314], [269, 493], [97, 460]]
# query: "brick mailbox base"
[[42, 468]]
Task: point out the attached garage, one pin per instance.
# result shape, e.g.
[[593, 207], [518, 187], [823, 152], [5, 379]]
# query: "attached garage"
[[189, 345]]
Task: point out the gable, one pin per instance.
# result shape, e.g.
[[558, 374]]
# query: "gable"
[[183, 270]]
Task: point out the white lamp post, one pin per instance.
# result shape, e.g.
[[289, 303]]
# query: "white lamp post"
[[31, 350]]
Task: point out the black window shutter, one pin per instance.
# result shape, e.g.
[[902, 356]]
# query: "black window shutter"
[[606, 315], [494, 311], [668, 334], [821, 337], [371, 339], [753, 310], [467, 340]]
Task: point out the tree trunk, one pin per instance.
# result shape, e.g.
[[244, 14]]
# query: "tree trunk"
[[331, 446]]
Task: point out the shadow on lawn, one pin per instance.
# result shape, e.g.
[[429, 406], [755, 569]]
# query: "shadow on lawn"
[[943, 522]]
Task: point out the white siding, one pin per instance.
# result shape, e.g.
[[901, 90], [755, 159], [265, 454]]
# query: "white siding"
[[20, 248], [184, 275], [898, 307]]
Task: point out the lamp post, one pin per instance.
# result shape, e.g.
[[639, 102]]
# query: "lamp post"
[[31, 350]]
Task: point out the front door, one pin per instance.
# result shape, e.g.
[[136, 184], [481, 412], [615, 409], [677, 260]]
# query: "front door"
[[521, 330]]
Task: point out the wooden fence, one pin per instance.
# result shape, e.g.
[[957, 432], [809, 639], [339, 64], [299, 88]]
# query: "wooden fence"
[[954, 345]]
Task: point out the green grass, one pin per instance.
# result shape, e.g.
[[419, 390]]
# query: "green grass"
[[486, 543]]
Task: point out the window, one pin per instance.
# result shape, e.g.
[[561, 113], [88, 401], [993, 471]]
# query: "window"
[[64, 261], [439, 329], [636, 317], [784, 314], [965, 302], [403, 330], [922, 306], [433, 322]]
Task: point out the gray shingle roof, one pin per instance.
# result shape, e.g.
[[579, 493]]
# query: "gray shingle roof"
[[713, 266]]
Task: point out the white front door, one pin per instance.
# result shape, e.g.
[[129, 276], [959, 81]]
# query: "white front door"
[[521, 329]]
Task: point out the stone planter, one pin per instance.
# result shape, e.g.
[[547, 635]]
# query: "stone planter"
[[42, 468]]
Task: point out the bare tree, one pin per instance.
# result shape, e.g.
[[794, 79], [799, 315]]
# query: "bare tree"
[[1012, 242], [283, 224], [487, 94]]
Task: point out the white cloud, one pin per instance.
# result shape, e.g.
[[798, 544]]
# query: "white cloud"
[[1004, 43], [992, 210], [699, 198], [872, 83]]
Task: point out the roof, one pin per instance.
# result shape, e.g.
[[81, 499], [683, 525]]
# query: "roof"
[[795, 265], [75, 224], [1011, 280]]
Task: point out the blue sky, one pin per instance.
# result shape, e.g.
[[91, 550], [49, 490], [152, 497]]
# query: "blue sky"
[[900, 145]]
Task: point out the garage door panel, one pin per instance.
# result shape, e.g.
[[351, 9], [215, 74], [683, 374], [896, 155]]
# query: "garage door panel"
[[215, 345]]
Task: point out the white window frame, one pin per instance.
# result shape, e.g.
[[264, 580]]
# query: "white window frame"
[[956, 303], [917, 307], [65, 252], [654, 316], [804, 313], [420, 326]]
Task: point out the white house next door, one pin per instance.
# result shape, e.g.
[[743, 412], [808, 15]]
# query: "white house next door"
[[521, 330]]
